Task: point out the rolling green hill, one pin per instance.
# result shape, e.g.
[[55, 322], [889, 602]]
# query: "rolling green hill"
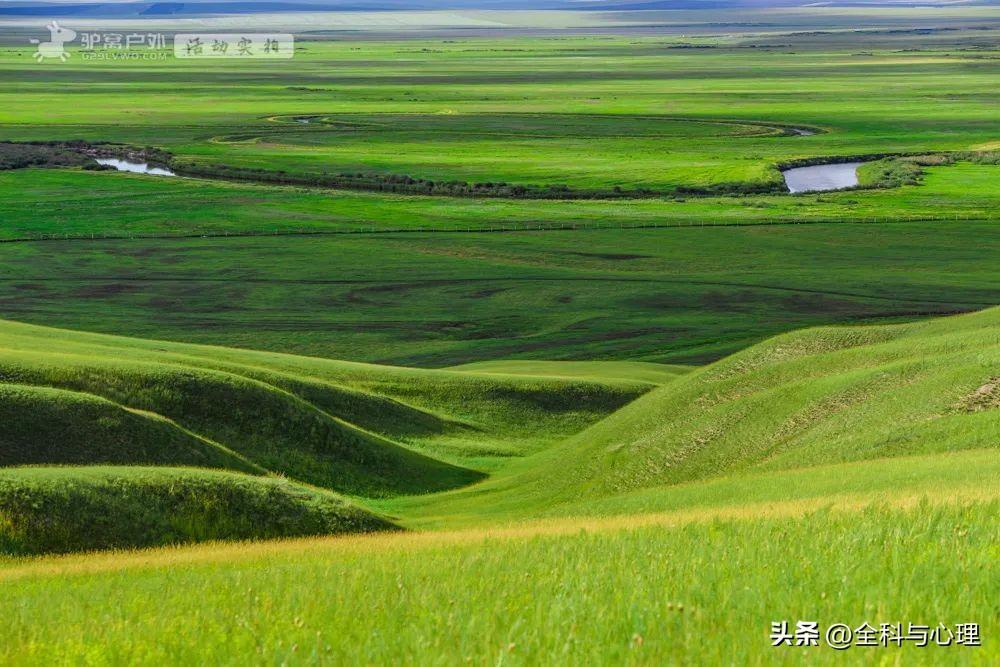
[[817, 396], [554, 437], [89, 401], [355, 428], [809, 398]]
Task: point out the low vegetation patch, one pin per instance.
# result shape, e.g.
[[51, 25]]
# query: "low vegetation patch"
[[56, 510], [889, 173], [44, 154], [985, 397]]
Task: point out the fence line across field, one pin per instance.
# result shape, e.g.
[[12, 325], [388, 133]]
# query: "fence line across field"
[[484, 229]]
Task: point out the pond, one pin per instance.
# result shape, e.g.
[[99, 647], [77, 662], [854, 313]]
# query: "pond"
[[820, 177], [134, 167]]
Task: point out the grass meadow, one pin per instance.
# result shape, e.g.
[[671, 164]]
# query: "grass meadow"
[[522, 110], [575, 592], [558, 373]]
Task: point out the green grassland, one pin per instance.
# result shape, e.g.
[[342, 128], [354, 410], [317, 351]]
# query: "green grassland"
[[621, 563], [52, 510], [655, 594], [686, 295], [54, 203], [815, 397], [608, 370], [499, 429], [881, 440], [631, 111]]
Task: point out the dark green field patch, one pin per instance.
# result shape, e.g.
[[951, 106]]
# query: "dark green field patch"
[[434, 300]]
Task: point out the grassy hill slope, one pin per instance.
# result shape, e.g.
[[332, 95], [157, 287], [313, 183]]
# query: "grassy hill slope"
[[814, 397], [356, 428]]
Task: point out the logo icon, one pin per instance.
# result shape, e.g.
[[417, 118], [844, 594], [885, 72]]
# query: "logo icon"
[[54, 47]]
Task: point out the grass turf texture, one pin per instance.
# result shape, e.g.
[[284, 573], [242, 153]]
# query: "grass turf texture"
[[811, 398], [46, 510], [633, 513], [576, 592]]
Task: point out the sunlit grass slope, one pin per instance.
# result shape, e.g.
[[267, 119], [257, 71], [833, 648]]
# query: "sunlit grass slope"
[[814, 397], [356, 428], [670, 589], [46, 510]]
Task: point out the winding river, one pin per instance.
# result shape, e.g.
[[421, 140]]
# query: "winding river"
[[815, 178]]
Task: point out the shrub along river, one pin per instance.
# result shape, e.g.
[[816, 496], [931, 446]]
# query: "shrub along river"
[[814, 178]]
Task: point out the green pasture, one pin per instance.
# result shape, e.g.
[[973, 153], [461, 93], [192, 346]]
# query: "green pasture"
[[584, 111], [692, 590], [41, 203], [685, 295], [454, 429]]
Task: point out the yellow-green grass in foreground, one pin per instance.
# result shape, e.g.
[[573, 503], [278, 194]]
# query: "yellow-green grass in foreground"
[[965, 476], [672, 589], [972, 474]]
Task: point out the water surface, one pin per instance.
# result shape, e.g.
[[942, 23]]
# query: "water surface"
[[134, 167], [821, 177]]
